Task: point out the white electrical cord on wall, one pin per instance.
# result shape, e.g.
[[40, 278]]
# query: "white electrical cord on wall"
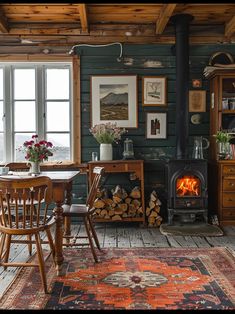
[[104, 45]]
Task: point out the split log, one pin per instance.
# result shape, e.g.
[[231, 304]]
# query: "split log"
[[99, 203], [135, 193], [116, 217]]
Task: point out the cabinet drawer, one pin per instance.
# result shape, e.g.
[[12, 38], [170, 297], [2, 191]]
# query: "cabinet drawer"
[[116, 167], [229, 200], [229, 185], [228, 213], [229, 169]]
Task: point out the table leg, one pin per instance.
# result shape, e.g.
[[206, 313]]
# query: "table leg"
[[68, 201], [58, 196]]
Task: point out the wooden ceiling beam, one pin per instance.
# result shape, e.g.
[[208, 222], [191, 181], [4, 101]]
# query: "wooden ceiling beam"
[[164, 17], [4, 26], [83, 17], [230, 27]]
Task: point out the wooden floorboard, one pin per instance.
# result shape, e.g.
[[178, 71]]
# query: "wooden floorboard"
[[125, 235]]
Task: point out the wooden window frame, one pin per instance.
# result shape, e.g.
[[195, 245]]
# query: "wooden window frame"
[[76, 105]]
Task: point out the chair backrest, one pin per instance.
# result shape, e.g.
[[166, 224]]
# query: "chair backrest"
[[24, 202], [18, 166], [99, 173]]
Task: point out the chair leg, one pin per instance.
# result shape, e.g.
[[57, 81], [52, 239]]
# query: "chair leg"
[[94, 233], [2, 243], [90, 239], [8, 245], [29, 237], [41, 262]]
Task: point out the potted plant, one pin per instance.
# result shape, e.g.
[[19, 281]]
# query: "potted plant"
[[106, 134], [223, 138]]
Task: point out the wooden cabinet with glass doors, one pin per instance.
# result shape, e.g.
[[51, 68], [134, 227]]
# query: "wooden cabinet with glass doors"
[[222, 117]]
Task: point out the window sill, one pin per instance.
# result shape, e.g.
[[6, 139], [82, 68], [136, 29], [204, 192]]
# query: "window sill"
[[63, 166]]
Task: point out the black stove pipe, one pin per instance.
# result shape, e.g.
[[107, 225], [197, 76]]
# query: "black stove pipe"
[[181, 23]]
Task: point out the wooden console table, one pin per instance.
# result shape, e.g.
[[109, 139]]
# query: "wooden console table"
[[122, 166]]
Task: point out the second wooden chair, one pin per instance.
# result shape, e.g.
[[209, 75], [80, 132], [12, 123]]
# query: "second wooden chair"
[[85, 212]]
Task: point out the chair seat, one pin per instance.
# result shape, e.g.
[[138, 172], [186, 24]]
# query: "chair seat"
[[76, 210]]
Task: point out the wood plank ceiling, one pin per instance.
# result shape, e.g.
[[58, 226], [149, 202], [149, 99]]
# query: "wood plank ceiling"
[[56, 27]]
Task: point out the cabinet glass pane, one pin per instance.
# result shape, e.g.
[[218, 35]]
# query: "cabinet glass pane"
[[1, 147], [57, 84], [57, 116], [1, 116], [1, 84], [24, 115], [24, 84], [228, 94], [62, 145]]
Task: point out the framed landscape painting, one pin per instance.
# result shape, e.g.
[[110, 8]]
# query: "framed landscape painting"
[[156, 125], [114, 99], [154, 90]]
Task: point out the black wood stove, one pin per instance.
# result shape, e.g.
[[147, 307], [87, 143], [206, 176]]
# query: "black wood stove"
[[187, 189]]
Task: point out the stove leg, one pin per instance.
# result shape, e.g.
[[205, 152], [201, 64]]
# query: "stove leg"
[[205, 215], [170, 216]]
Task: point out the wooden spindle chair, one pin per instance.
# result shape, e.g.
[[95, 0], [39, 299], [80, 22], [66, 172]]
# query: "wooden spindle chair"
[[24, 211], [85, 212], [21, 167]]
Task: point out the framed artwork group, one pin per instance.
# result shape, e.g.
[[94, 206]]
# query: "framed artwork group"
[[114, 98]]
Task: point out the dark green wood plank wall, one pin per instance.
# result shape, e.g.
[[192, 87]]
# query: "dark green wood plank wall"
[[103, 60]]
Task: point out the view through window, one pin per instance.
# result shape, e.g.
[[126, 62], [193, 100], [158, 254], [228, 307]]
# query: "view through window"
[[35, 99]]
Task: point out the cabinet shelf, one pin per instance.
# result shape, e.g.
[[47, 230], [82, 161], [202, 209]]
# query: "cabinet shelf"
[[227, 111]]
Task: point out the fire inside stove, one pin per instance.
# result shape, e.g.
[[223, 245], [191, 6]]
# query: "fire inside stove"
[[187, 186]]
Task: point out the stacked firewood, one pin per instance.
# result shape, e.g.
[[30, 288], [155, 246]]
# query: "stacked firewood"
[[153, 218], [120, 205]]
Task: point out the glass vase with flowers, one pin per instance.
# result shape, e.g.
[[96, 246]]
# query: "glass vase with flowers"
[[223, 140], [36, 151], [106, 134]]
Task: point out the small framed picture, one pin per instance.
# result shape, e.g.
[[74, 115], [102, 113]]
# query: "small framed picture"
[[154, 90], [196, 83], [156, 125], [197, 101]]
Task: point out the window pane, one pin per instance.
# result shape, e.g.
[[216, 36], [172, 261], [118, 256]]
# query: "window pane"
[[1, 115], [57, 84], [24, 84], [25, 116], [1, 147], [20, 138], [1, 83], [62, 144], [57, 116]]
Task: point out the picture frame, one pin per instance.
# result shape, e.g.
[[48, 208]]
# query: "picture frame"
[[154, 90], [114, 99], [156, 125], [197, 101], [196, 83]]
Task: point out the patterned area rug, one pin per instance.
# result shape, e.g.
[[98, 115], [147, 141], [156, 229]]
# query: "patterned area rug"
[[136, 278]]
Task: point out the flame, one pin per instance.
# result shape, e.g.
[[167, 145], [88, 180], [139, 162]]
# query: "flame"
[[187, 186]]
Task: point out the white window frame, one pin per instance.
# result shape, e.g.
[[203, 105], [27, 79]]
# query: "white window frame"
[[50, 61]]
